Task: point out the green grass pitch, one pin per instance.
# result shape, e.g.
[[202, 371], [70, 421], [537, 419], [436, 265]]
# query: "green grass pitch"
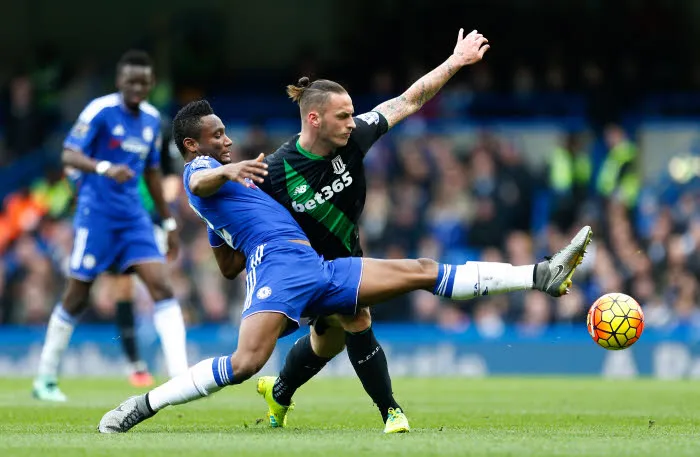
[[457, 417]]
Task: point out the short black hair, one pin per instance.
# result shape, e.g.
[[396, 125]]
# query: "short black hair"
[[188, 122], [135, 57]]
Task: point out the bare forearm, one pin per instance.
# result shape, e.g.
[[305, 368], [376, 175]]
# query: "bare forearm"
[[231, 263], [154, 183], [77, 159], [207, 182], [399, 108]]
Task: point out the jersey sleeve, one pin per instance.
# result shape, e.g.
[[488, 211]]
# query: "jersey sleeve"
[[215, 240], [153, 158], [369, 127], [82, 135], [199, 163]]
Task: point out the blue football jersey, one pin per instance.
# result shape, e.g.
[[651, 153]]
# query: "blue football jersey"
[[106, 130], [243, 217]]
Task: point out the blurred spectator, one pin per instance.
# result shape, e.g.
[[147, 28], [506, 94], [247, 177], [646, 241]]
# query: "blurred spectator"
[[619, 178], [570, 174], [516, 186], [257, 141], [26, 127], [536, 316]]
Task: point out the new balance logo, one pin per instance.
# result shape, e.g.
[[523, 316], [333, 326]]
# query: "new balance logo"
[[300, 189]]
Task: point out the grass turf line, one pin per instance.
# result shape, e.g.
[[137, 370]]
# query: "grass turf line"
[[449, 416]]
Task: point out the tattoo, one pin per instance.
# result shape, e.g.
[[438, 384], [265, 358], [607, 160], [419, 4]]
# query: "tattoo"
[[399, 108]]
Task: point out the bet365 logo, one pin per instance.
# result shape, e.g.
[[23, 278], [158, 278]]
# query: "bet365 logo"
[[326, 193]]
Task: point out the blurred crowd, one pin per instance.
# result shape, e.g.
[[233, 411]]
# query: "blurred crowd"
[[428, 197]]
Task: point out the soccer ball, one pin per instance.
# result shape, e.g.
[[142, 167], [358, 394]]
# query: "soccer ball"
[[615, 321]]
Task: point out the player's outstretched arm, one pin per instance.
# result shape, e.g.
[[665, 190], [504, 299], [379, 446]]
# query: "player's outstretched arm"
[[231, 262], [469, 50], [77, 159], [207, 182]]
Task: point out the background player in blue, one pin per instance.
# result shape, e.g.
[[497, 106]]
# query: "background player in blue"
[[113, 143], [126, 290], [123, 289], [286, 279]]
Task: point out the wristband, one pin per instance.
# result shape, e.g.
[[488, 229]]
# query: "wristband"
[[102, 167], [169, 224]]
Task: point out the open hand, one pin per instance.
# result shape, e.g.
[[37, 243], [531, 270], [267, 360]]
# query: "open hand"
[[120, 173], [471, 48], [255, 170]]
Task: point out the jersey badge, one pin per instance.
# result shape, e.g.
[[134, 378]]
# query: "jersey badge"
[[118, 130], [338, 165], [81, 129], [263, 293], [147, 134], [89, 261]]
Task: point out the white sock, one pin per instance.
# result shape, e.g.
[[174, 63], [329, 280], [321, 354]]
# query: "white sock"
[[58, 333], [202, 379], [474, 279], [170, 326]]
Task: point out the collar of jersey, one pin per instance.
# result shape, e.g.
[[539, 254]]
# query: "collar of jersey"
[[308, 154]]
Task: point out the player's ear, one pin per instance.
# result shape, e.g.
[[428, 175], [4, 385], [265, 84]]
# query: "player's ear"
[[191, 144], [314, 119]]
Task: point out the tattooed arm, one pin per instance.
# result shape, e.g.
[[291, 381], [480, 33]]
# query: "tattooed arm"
[[469, 50]]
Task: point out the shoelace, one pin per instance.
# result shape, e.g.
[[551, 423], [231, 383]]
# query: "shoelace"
[[131, 419], [549, 257], [393, 414]]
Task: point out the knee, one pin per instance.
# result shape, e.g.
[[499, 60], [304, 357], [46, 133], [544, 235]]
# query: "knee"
[[363, 317], [246, 365], [359, 322], [160, 289], [75, 301], [330, 343], [121, 288]]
